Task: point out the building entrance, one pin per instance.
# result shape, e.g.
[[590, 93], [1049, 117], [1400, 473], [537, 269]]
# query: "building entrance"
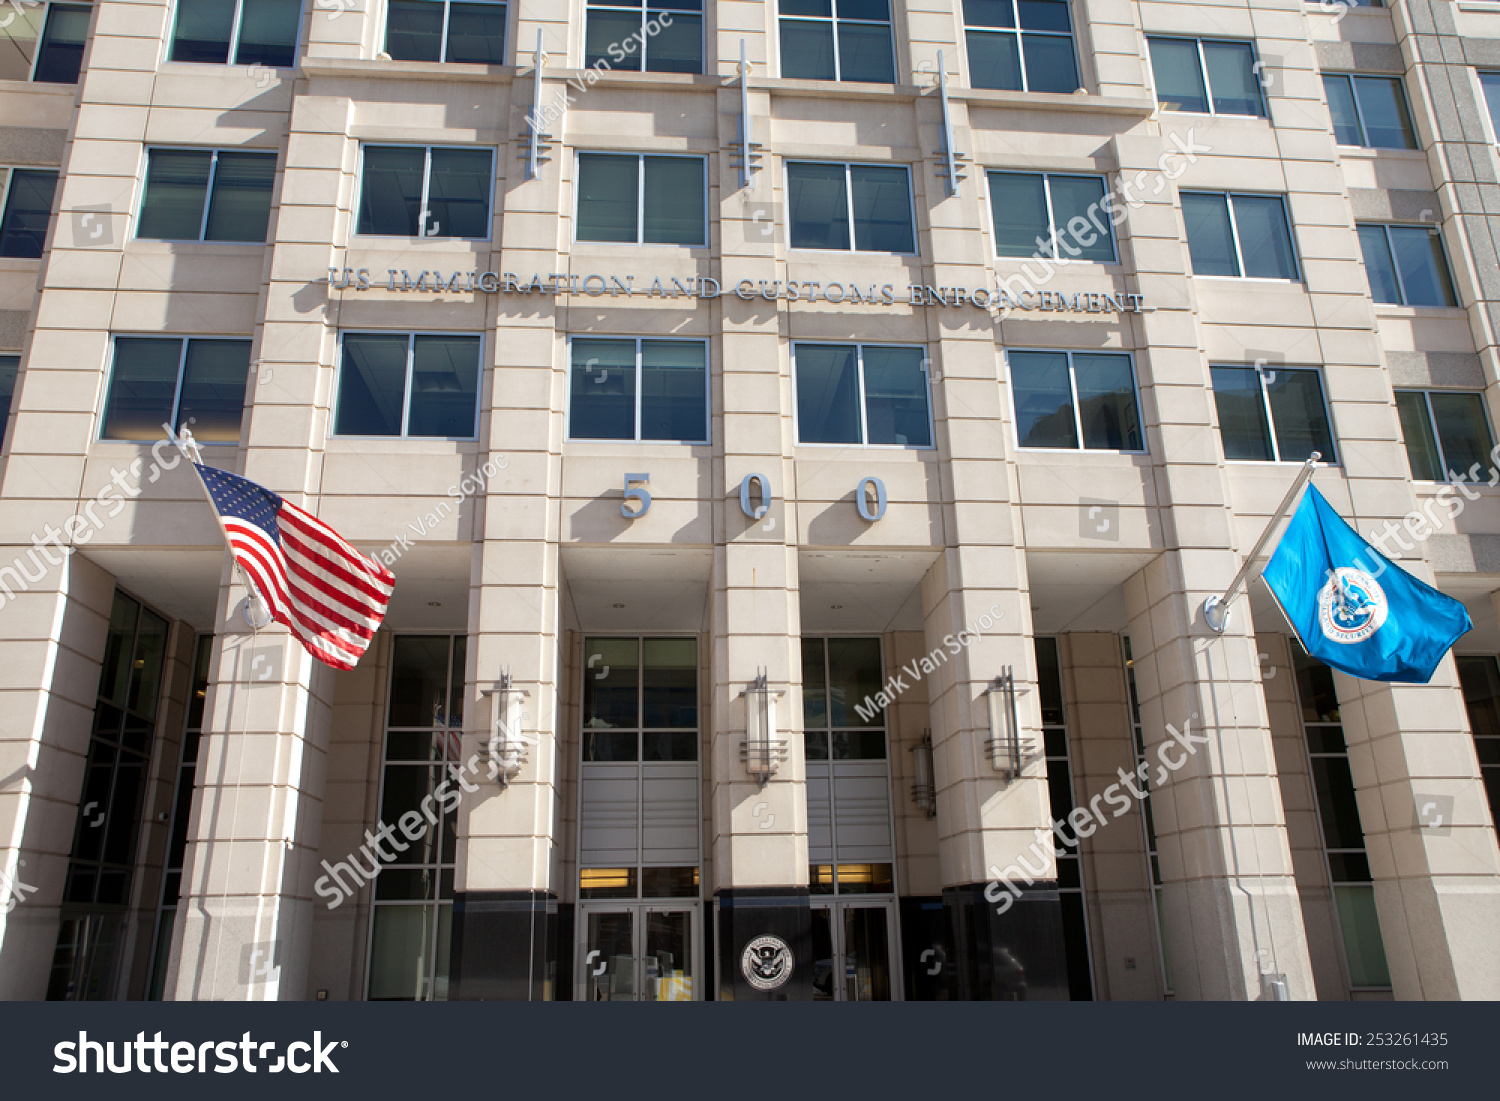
[[853, 943], [639, 952]]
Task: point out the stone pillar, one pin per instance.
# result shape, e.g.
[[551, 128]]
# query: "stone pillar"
[[1428, 834], [1117, 872], [1232, 914], [49, 683], [244, 924]]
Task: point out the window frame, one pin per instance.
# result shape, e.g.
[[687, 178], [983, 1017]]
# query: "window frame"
[[385, 28], [1265, 401], [184, 339], [170, 38], [1492, 112], [1432, 425], [1433, 230], [1359, 111], [36, 56], [367, 891], [859, 347], [834, 19], [1081, 449], [359, 191], [208, 193], [646, 9], [1052, 234], [853, 249], [1260, 89], [708, 390], [1234, 229], [411, 344], [640, 198], [1017, 30], [10, 171]]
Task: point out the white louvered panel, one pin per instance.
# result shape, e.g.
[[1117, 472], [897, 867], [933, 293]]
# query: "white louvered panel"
[[669, 817], [819, 815], [862, 795], [608, 812]]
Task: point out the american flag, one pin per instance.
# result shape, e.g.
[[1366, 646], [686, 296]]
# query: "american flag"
[[330, 596]]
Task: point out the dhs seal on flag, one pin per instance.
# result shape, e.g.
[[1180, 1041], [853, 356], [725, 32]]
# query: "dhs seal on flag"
[[1351, 606]]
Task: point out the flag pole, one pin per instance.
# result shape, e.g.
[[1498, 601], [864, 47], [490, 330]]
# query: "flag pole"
[[1216, 608], [189, 447]]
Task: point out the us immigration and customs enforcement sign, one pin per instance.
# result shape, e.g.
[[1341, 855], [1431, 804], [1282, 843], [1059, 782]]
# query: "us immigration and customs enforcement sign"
[[767, 963]]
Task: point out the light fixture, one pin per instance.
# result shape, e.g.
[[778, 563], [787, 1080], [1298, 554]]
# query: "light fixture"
[[505, 750], [762, 751], [1006, 746], [923, 789]]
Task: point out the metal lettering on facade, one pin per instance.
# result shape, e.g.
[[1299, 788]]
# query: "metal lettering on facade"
[[595, 285]]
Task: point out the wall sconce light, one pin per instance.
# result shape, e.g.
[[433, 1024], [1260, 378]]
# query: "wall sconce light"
[[924, 787], [1006, 747], [505, 750], [762, 751]]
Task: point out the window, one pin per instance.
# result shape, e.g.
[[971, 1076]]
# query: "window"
[[862, 394], [1246, 236], [10, 367], [639, 764], [1273, 414], [1446, 433], [248, 32], [1369, 111], [1043, 214], [838, 40], [408, 384], [1020, 45], [426, 191], [1060, 797], [1480, 677], [1205, 75], [624, 388], [198, 383], [44, 42], [1338, 816], [182, 807], [1406, 265], [1063, 397], [207, 195], [639, 200], [28, 208], [413, 905], [834, 204], [671, 31], [848, 774], [90, 949], [446, 30]]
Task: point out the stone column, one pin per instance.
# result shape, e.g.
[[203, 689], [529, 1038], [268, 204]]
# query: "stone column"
[[1232, 913], [1428, 834], [244, 924], [49, 683]]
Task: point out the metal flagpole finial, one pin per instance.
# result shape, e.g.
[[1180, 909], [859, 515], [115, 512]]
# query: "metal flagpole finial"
[[189, 446], [1216, 608]]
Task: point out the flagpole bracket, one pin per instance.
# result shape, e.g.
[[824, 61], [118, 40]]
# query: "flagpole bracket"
[[1216, 614]]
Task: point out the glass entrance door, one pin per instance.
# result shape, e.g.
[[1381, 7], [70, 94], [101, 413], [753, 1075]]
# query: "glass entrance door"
[[853, 951], [638, 952]]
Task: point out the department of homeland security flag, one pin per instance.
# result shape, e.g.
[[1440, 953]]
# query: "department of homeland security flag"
[[1352, 607], [330, 596]]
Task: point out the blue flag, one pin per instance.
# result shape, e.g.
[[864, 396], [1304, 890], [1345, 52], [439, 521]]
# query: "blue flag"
[[1352, 607]]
